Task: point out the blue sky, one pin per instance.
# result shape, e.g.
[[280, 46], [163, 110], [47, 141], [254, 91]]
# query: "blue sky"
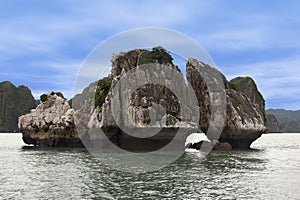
[[44, 43]]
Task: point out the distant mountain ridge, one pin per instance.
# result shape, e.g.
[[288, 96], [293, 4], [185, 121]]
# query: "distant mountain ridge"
[[272, 124], [14, 101], [288, 120]]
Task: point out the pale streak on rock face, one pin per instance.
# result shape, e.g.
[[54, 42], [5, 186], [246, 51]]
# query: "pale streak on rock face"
[[50, 124]]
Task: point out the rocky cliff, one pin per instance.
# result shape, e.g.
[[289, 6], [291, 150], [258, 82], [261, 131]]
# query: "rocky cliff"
[[142, 110], [51, 124], [14, 101], [244, 121], [247, 86], [244, 108], [145, 104]]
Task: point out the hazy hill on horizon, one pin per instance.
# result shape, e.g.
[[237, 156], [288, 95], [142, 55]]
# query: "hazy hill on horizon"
[[288, 120], [14, 101]]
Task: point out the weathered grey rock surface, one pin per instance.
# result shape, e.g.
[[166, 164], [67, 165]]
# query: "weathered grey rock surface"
[[244, 113], [148, 109], [244, 122], [51, 124]]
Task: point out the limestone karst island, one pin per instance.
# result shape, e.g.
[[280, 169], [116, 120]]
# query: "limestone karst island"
[[52, 122]]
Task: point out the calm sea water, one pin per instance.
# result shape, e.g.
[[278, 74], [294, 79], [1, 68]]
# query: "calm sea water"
[[271, 171]]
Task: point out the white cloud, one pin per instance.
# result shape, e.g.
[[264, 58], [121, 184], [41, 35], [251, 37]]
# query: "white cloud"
[[47, 38]]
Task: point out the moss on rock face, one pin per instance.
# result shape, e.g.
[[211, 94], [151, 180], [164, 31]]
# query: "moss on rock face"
[[237, 100], [247, 86], [232, 85], [102, 90]]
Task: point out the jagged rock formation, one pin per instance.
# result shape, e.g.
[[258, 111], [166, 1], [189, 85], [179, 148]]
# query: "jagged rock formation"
[[14, 101], [245, 113], [139, 112], [272, 124], [247, 86], [119, 107], [51, 124], [244, 122]]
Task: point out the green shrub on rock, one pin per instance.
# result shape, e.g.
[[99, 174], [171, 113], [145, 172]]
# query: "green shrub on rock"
[[44, 97], [58, 94], [102, 90], [156, 55]]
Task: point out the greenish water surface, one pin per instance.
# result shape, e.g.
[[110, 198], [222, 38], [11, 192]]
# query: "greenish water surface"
[[270, 171]]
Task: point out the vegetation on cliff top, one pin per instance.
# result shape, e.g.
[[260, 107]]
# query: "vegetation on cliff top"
[[44, 97], [247, 86], [156, 55]]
